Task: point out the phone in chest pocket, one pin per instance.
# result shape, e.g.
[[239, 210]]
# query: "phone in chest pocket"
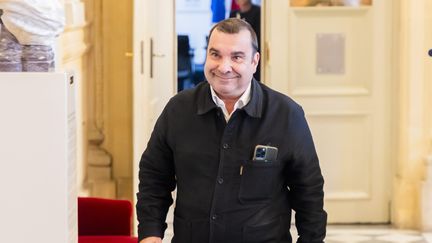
[[265, 153]]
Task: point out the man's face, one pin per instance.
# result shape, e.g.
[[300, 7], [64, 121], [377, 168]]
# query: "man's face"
[[230, 63], [243, 2]]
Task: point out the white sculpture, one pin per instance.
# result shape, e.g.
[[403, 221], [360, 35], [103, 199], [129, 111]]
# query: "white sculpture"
[[27, 32]]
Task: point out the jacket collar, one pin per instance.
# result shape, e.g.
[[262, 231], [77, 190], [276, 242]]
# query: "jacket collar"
[[253, 108]]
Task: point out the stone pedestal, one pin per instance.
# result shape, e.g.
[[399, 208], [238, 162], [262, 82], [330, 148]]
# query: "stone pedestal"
[[99, 168]]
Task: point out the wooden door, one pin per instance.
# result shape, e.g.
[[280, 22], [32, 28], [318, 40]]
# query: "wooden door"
[[335, 62]]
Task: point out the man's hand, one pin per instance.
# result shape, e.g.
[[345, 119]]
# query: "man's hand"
[[151, 239]]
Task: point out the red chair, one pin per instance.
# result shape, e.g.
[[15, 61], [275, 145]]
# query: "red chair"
[[104, 221]]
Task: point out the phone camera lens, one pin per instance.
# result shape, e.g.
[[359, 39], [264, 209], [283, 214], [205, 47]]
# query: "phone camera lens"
[[261, 153]]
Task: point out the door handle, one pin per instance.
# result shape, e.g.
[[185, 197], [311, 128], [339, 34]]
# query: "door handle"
[[152, 55], [142, 57]]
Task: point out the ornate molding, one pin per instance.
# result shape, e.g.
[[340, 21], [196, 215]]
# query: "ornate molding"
[[99, 167]]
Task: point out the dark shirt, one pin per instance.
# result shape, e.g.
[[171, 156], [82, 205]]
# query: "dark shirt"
[[222, 194]]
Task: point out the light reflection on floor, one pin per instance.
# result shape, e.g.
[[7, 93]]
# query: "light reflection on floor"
[[361, 234], [372, 234]]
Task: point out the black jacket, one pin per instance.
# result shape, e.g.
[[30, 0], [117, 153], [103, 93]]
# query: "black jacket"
[[222, 194]]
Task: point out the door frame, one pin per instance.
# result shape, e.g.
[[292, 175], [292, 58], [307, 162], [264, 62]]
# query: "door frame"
[[144, 49]]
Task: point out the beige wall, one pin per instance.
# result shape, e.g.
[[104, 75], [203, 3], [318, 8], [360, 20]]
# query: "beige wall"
[[413, 92], [117, 75], [93, 45], [428, 69]]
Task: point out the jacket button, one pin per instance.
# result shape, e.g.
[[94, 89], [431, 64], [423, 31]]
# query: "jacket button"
[[225, 146], [214, 217], [220, 180]]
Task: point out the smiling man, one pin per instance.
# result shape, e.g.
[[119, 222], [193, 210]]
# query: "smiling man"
[[240, 154], [232, 59]]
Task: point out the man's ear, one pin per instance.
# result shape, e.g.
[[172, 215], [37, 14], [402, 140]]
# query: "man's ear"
[[255, 59]]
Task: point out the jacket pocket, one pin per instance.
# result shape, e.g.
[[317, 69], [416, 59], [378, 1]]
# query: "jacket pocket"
[[258, 180], [267, 233], [182, 230]]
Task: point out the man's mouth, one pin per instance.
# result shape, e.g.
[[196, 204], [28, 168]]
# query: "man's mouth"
[[225, 77]]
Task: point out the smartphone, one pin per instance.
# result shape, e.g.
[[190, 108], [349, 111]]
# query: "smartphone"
[[265, 153]]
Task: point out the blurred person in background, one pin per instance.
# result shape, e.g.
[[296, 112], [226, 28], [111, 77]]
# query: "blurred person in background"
[[251, 13]]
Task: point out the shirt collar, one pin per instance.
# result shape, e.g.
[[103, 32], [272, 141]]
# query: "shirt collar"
[[253, 108], [241, 102]]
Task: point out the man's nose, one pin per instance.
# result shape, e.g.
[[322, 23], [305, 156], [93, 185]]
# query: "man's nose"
[[225, 65]]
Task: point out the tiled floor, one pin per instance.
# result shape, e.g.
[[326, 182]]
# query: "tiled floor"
[[362, 234], [373, 234]]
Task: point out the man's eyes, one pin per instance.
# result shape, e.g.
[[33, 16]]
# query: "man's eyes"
[[237, 58]]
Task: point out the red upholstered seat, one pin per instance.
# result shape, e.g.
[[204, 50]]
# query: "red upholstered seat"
[[104, 220], [107, 239]]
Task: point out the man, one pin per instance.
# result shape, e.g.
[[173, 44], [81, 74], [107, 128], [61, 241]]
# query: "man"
[[252, 14], [204, 143]]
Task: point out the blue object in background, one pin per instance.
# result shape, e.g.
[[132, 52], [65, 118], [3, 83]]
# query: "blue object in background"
[[218, 10], [430, 52]]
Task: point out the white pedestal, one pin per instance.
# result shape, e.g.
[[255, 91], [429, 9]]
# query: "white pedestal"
[[37, 158]]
